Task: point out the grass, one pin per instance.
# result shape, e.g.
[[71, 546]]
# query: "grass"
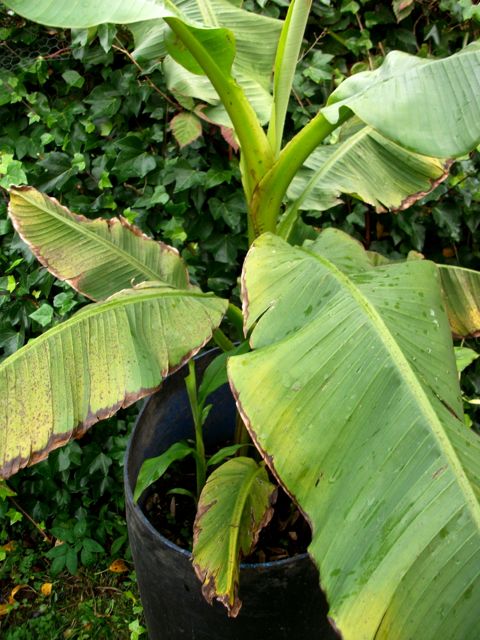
[[97, 603]]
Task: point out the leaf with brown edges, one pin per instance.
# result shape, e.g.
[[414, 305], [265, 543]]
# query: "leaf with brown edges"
[[96, 257], [105, 357], [235, 504]]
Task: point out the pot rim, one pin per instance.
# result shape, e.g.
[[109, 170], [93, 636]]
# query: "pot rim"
[[153, 531]]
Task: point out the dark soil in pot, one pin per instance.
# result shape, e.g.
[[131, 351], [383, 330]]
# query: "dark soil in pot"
[[281, 599], [286, 535]]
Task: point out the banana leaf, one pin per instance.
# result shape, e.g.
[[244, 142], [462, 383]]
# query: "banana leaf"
[[106, 356], [428, 106], [360, 417], [96, 257]]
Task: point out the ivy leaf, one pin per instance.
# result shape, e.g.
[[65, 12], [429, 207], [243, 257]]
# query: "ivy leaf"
[[43, 315], [73, 78], [106, 35], [464, 357], [11, 171], [403, 8], [133, 161], [186, 128]]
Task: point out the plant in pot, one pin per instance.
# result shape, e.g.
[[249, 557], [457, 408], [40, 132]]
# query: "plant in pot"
[[349, 390]]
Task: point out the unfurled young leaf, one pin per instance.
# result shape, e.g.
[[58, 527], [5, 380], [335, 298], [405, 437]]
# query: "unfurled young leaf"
[[235, 504], [153, 468]]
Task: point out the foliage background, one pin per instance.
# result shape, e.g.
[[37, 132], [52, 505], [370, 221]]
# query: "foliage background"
[[81, 121]]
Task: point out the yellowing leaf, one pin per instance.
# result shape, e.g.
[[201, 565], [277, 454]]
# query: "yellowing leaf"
[[15, 590], [10, 546], [104, 357], [118, 566], [96, 257], [461, 296], [46, 589], [237, 494], [186, 128], [313, 322]]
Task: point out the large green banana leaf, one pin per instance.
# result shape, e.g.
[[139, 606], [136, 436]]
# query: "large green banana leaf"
[[366, 164], [429, 106], [360, 417], [256, 36], [235, 504], [96, 257], [88, 13], [105, 357]]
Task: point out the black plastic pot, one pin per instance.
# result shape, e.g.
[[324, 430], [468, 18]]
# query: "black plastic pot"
[[280, 599]]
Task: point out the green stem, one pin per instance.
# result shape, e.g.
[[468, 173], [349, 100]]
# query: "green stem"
[[200, 460], [256, 150], [336, 37], [241, 435], [222, 341], [234, 314], [268, 197]]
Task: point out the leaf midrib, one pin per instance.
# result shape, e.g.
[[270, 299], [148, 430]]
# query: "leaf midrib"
[[239, 507], [96, 309]]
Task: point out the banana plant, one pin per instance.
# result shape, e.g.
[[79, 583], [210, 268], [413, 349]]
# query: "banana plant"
[[350, 391]]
